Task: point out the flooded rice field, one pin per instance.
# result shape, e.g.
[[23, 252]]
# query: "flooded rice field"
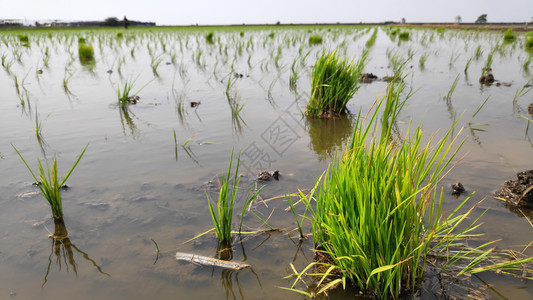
[[138, 195]]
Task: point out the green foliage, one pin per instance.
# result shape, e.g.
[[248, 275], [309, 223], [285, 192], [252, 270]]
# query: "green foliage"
[[209, 38], [49, 183], [334, 82], [85, 51], [404, 36], [315, 40], [509, 36], [529, 43], [372, 40], [373, 229], [223, 215], [24, 40]]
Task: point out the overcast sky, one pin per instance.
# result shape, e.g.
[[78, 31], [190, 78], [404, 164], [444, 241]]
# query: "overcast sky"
[[178, 12]]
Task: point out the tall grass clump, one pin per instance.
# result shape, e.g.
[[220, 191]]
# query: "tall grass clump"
[[509, 36], [85, 52], [49, 184], [529, 43], [378, 214], [315, 40], [209, 38], [372, 40], [403, 36], [334, 82], [222, 214]]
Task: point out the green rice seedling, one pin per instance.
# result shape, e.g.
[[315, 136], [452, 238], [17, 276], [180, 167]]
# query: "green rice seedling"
[[66, 79], [24, 40], [39, 130], [49, 184], [422, 60], [3, 59], [527, 61], [222, 214], [453, 59], [125, 93], [86, 53], [293, 79], [393, 104], [209, 38], [372, 40], [298, 223], [529, 43], [523, 91], [468, 65], [452, 88], [470, 124], [509, 36], [403, 36], [334, 82], [126, 96], [488, 64], [156, 61], [378, 234], [478, 52], [315, 40]]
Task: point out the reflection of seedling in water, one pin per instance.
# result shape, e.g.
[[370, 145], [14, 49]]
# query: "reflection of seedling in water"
[[66, 80], [49, 183], [62, 248], [38, 130]]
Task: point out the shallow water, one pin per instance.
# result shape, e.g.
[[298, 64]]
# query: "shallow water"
[[135, 185]]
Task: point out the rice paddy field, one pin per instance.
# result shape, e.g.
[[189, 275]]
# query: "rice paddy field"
[[189, 96]]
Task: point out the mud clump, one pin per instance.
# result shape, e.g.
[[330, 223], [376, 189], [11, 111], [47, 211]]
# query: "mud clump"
[[518, 192], [458, 189], [368, 77], [265, 175], [487, 79]]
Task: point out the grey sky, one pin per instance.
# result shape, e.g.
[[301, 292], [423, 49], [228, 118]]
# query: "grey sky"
[[167, 12]]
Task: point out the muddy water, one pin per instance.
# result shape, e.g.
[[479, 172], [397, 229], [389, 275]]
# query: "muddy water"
[[135, 187]]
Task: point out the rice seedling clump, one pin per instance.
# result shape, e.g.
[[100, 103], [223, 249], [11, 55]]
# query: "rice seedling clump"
[[24, 40], [509, 36], [404, 36], [85, 51], [529, 43], [209, 38], [334, 82], [315, 40]]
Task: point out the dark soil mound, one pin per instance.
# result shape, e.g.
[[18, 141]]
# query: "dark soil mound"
[[518, 192]]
